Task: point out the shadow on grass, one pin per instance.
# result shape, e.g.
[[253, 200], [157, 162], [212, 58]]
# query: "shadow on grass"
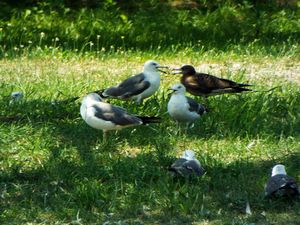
[[273, 113], [83, 173], [251, 115], [140, 187]]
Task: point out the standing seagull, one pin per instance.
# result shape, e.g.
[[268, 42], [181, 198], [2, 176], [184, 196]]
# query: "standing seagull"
[[104, 116], [201, 84], [182, 108], [187, 165], [280, 184], [138, 87]]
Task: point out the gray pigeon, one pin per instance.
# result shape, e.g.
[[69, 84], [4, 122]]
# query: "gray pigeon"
[[187, 165], [280, 184]]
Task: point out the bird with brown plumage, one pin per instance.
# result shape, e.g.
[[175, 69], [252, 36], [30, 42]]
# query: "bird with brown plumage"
[[202, 84]]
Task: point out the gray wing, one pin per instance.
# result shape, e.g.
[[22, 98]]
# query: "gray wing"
[[186, 167], [195, 106], [193, 166], [116, 115], [178, 163], [129, 87], [281, 185]]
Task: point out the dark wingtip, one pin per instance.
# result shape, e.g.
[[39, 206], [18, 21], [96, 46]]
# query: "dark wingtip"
[[100, 92], [245, 85], [150, 119], [241, 89], [170, 168]]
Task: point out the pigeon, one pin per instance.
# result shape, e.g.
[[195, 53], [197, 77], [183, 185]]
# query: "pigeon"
[[138, 87], [280, 184], [201, 84], [104, 116], [187, 165], [184, 109]]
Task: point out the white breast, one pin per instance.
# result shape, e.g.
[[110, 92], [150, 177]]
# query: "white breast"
[[88, 115], [178, 109], [154, 79]]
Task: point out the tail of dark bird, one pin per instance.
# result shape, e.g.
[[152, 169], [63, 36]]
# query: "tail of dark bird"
[[149, 119], [241, 88], [244, 85]]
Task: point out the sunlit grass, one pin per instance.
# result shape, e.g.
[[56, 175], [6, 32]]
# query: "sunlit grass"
[[56, 169]]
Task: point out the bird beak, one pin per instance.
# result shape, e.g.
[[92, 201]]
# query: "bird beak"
[[171, 90], [164, 67], [177, 71]]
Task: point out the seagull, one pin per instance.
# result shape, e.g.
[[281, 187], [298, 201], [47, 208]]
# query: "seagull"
[[187, 165], [16, 95], [280, 184], [184, 109], [104, 116], [138, 87], [201, 84]]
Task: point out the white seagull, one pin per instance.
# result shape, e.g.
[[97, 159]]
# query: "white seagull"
[[187, 165], [104, 116], [280, 184], [138, 87], [184, 109]]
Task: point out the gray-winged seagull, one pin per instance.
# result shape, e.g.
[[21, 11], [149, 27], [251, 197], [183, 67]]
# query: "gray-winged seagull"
[[187, 165], [280, 184], [104, 116], [182, 108], [138, 87]]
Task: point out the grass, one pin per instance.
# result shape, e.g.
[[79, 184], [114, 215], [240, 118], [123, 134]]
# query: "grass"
[[56, 170], [146, 26]]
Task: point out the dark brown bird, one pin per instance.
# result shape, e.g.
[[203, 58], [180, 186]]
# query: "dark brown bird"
[[202, 84]]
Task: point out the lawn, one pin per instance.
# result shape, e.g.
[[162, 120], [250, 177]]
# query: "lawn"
[[55, 169]]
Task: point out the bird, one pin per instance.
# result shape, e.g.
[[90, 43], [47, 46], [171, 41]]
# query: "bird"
[[137, 87], [202, 84], [184, 109], [16, 95], [187, 165], [280, 184], [104, 116]]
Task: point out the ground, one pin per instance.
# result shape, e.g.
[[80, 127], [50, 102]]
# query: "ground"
[[56, 170]]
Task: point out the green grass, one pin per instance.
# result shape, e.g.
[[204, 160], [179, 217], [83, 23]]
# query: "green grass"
[[54, 169], [149, 25]]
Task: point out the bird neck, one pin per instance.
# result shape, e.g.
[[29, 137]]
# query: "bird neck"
[[278, 170], [152, 75], [178, 93], [90, 102]]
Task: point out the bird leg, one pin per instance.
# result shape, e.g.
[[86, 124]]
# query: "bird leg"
[[178, 129], [206, 103], [104, 136], [186, 128]]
